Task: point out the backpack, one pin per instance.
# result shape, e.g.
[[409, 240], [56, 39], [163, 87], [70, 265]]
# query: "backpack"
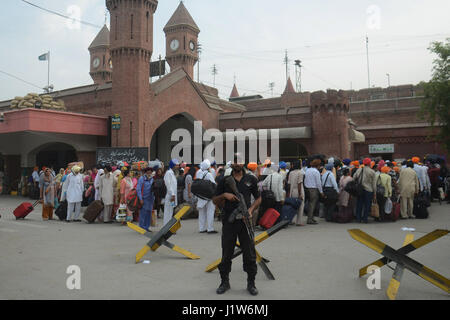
[[380, 188], [159, 188], [133, 202], [355, 187], [268, 197]]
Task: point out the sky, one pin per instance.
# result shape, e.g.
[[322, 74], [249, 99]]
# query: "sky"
[[245, 39]]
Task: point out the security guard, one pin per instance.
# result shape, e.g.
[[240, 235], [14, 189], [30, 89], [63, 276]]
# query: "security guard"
[[225, 198]]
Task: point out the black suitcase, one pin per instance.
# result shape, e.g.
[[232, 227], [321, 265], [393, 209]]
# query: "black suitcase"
[[420, 211], [61, 211], [93, 211]]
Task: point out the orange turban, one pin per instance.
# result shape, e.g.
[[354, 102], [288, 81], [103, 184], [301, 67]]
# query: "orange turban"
[[355, 163], [415, 159], [372, 164], [252, 166], [385, 169], [396, 169], [394, 163]]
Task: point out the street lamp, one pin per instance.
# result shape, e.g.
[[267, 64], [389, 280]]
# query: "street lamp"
[[389, 79]]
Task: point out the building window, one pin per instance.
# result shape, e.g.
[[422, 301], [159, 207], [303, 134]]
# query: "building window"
[[132, 26], [148, 16], [117, 27], [378, 96]]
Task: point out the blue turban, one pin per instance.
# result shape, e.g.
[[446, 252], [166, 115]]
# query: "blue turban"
[[329, 166], [173, 163], [283, 165], [346, 161]]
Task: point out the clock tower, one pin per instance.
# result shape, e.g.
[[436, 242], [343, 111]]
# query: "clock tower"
[[181, 40], [101, 66], [131, 47]]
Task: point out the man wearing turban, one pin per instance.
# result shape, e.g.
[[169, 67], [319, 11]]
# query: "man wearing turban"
[[206, 208], [170, 180], [369, 184], [73, 192]]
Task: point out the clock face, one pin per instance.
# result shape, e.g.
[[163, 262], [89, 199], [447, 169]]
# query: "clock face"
[[174, 45], [96, 62], [192, 46]]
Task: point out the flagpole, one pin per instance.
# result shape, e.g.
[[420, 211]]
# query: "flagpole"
[[48, 74]]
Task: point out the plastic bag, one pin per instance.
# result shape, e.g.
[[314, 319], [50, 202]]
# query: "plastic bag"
[[121, 213], [388, 206]]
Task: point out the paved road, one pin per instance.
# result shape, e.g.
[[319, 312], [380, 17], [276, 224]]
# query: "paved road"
[[311, 262]]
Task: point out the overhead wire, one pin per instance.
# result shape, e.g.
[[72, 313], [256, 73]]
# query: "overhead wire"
[[20, 79], [61, 15]]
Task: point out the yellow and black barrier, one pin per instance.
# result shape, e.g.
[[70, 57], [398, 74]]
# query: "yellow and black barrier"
[[402, 260], [262, 262], [162, 236]]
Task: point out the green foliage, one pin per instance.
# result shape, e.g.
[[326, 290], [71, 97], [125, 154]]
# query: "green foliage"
[[436, 105]]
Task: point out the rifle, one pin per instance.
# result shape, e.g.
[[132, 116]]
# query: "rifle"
[[241, 212]]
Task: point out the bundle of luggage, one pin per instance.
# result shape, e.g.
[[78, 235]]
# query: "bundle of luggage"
[[33, 100], [139, 165]]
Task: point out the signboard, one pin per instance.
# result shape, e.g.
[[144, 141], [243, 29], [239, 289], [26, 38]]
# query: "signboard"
[[115, 122], [112, 156], [381, 148], [158, 68]]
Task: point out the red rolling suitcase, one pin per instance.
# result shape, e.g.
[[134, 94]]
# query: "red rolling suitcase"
[[269, 218], [24, 209], [395, 215]]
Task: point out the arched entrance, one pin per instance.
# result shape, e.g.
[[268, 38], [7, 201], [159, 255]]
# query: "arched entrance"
[[161, 145], [55, 155], [291, 150]]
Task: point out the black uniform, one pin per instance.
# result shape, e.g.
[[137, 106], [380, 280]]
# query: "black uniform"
[[231, 231]]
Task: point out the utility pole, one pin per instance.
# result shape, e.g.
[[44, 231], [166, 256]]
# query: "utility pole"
[[286, 62], [368, 68], [214, 72], [271, 86], [298, 75]]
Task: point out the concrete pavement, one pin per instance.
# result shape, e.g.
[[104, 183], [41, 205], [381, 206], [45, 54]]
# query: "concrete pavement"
[[310, 262]]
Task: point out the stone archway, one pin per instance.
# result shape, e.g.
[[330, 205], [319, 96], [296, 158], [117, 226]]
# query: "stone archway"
[[56, 155], [161, 145], [291, 150]]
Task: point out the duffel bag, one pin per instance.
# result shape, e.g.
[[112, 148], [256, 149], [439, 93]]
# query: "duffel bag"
[[204, 189]]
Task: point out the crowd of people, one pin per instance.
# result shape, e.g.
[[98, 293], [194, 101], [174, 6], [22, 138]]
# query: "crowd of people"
[[338, 191], [319, 182]]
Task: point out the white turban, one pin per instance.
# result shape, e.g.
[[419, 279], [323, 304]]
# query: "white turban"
[[205, 165], [76, 169]]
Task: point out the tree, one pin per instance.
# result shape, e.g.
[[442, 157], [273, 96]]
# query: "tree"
[[436, 105]]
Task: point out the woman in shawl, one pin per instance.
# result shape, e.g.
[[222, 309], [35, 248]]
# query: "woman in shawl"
[[48, 193], [126, 186]]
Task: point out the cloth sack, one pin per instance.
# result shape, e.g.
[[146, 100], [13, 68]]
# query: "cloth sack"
[[375, 210]]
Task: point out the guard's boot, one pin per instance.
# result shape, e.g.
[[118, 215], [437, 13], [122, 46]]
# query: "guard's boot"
[[252, 288], [224, 286]]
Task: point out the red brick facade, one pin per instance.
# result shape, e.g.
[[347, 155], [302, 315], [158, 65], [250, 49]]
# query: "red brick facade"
[[384, 116]]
